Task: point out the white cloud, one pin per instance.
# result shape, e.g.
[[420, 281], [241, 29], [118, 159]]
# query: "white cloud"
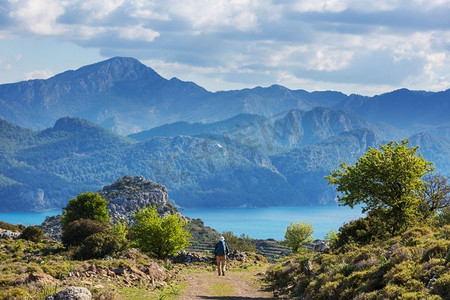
[[329, 59], [99, 9], [225, 43], [220, 15], [137, 33], [38, 16], [38, 74]]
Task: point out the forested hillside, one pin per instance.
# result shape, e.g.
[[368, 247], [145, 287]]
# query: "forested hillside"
[[254, 162]]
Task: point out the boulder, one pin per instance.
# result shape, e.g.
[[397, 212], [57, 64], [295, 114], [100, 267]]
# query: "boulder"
[[8, 234], [71, 293], [41, 279]]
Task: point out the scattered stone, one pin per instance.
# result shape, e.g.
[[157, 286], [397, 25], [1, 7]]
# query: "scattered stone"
[[189, 257], [8, 234], [431, 281], [71, 293], [41, 279]]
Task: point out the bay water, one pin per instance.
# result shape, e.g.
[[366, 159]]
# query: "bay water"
[[258, 223], [271, 222], [27, 218]]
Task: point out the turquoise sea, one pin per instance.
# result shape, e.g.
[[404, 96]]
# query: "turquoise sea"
[[258, 223], [271, 222], [27, 218]]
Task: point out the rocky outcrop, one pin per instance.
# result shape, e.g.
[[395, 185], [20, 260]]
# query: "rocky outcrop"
[[52, 227], [128, 194], [125, 197], [190, 257], [71, 293], [8, 234]]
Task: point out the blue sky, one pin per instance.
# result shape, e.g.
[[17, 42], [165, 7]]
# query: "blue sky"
[[354, 46]]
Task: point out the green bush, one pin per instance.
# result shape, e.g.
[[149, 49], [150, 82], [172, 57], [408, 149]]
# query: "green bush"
[[12, 227], [361, 231], [414, 236], [159, 236], [100, 245], [436, 250], [32, 233], [243, 243], [76, 232], [441, 286]]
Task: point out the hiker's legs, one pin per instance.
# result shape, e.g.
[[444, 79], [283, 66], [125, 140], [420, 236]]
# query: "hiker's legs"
[[220, 259]]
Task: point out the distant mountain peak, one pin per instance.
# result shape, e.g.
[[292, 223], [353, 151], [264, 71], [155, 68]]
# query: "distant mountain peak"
[[115, 69], [71, 124]]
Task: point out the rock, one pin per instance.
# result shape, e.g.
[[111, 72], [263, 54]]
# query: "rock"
[[128, 194], [321, 246], [189, 257], [71, 293], [8, 234], [41, 279], [156, 272], [239, 256], [307, 267]]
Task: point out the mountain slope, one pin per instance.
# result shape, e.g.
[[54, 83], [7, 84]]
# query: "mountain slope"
[[402, 108], [46, 168], [126, 96]]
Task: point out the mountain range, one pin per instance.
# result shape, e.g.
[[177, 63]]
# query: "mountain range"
[[83, 129]]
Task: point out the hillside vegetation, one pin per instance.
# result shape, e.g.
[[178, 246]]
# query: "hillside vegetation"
[[278, 162], [400, 250]]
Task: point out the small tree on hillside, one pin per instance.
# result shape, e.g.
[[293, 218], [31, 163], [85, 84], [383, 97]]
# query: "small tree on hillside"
[[32, 233], [388, 181], [85, 206], [297, 234], [159, 236], [436, 195]]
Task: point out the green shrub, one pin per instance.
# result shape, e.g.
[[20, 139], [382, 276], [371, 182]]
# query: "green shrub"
[[414, 236], [362, 231], [243, 243], [12, 227], [159, 236], [438, 250], [76, 232], [401, 273], [32, 233], [99, 245], [441, 286]]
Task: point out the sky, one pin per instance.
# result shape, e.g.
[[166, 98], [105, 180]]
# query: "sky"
[[364, 47]]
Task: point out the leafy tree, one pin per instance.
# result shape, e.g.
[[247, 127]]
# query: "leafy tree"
[[32, 233], [297, 234], [159, 236], [88, 205], [436, 196], [388, 181]]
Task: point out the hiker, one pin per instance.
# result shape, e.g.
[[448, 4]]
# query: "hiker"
[[220, 252]]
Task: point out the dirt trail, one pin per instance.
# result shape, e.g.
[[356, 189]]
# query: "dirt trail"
[[241, 284]]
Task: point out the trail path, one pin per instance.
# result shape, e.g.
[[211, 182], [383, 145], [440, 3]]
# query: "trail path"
[[240, 284]]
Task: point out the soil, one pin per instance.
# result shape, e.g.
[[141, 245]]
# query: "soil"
[[236, 284]]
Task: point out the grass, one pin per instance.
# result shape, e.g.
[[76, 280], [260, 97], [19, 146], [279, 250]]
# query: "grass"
[[220, 290]]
